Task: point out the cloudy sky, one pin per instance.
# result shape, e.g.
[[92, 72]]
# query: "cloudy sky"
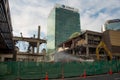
[[26, 15]]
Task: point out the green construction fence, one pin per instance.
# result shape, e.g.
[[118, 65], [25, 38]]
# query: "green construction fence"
[[38, 70]]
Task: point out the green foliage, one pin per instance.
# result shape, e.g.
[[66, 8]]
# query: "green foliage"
[[75, 34]]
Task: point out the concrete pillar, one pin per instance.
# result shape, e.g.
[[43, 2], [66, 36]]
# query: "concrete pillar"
[[38, 43], [73, 51], [2, 58], [63, 46], [86, 38], [87, 46], [87, 51], [33, 50]]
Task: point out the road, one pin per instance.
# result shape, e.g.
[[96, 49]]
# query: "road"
[[115, 76]]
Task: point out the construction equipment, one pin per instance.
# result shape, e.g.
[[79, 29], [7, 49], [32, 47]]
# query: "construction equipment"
[[103, 45]]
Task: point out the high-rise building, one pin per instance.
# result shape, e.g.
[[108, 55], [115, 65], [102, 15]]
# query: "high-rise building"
[[62, 22], [112, 24]]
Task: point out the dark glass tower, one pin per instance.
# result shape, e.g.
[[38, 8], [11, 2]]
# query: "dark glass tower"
[[62, 22]]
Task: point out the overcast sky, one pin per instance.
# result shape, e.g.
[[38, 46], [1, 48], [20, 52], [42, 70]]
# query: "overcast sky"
[[26, 15]]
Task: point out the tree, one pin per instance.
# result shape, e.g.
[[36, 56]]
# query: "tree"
[[75, 34]]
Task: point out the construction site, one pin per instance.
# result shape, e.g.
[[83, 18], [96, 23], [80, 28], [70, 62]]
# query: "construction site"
[[90, 55], [89, 44]]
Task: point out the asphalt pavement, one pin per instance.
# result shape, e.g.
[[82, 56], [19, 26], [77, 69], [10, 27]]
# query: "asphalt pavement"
[[115, 76]]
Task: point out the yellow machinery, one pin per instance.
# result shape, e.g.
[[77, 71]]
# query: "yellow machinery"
[[103, 45]]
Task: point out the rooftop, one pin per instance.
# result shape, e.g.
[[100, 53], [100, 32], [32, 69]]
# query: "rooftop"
[[112, 21], [66, 7]]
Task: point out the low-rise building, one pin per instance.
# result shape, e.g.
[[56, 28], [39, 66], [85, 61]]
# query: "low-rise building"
[[82, 45], [112, 41]]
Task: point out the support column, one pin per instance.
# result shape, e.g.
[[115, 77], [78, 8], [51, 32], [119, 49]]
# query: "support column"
[[73, 51], [87, 46], [2, 58], [87, 51], [38, 43], [33, 50], [63, 46]]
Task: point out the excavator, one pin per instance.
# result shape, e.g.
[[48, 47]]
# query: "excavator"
[[103, 45]]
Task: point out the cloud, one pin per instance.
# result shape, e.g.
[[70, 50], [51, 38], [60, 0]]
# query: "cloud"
[[26, 15], [95, 13]]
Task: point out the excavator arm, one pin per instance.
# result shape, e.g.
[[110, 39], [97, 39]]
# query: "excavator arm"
[[103, 45]]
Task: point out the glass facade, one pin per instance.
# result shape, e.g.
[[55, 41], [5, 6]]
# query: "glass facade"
[[51, 30], [113, 24], [62, 23]]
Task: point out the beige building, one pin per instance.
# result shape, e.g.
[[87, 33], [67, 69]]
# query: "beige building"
[[82, 45], [112, 41]]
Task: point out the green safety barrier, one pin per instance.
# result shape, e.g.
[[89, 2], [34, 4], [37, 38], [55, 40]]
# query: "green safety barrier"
[[38, 70]]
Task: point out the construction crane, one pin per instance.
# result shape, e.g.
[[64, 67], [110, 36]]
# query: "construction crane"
[[103, 45]]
